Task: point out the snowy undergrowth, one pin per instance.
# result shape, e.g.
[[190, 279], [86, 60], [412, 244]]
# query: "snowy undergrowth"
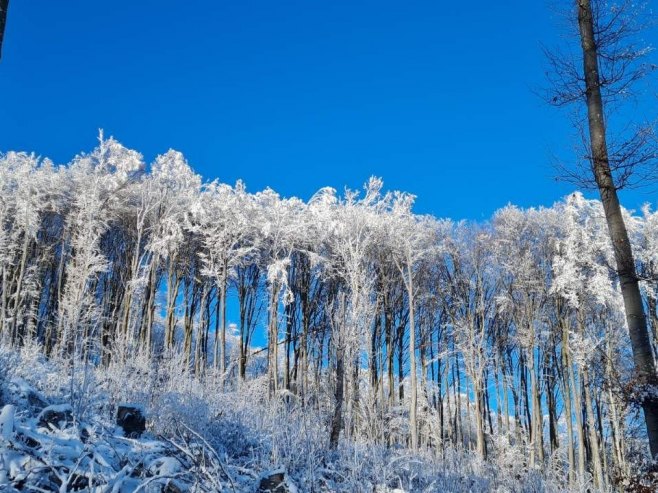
[[201, 438]]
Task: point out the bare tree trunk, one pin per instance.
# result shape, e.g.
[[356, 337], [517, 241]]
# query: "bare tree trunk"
[[575, 389], [4, 5], [173, 282], [373, 356], [615, 421], [188, 302], [222, 313], [536, 424], [127, 302], [566, 396], [637, 325], [4, 304], [456, 384], [653, 320], [479, 416], [387, 355], [273, 335], [18, 291], [304, 348], [200, 343], [337, 419], [149, 307], [413, 397], [499, 398], [290, 322], [599, 480]]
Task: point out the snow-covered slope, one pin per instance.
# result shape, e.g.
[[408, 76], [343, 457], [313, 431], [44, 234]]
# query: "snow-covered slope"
[[199, 439]]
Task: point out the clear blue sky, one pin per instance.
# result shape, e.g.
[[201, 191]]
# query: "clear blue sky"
[[435, 97]]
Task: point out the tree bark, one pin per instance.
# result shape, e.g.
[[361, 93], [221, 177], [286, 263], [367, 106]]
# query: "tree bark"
[[273, 334], [413, 398], [4, 5], [599, 480], [337, 419]]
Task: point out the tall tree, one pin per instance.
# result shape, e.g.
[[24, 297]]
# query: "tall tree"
[[610, 63], [637, 324], [412, 238]]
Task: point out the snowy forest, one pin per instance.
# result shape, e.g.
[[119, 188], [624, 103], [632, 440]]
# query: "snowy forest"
[[502, 341], [161, 332]]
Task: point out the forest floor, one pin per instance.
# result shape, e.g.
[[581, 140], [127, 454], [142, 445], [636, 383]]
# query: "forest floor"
[[59, 434]]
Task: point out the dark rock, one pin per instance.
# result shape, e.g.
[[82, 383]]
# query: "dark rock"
[[131, 419], [273, 482], [58, 416]]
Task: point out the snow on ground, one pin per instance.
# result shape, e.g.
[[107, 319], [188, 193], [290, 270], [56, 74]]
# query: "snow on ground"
[[199, 439]]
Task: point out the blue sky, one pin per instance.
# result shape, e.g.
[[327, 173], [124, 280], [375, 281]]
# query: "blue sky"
[[435, 97]]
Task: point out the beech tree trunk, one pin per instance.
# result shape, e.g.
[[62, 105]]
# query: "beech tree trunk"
[[4, 5], [337, 418], [637, 325], [413, 398], [273, 343]]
